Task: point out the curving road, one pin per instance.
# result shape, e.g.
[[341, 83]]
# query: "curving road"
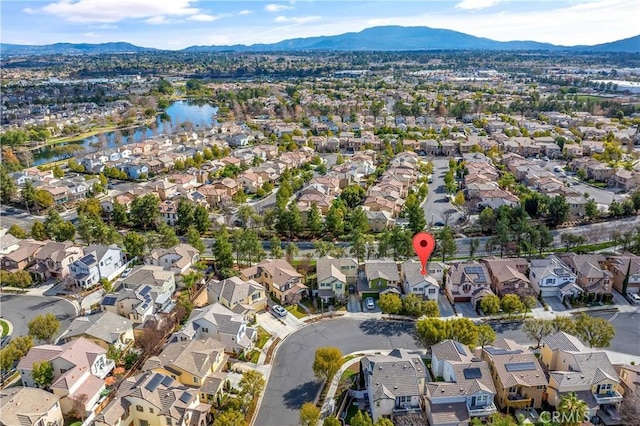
[[20, 309], [292, 382]]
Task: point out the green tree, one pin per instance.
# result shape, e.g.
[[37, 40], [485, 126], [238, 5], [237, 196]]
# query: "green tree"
[[57, 228], [486, 335], [184, 213], [57, 172], [361, 418], [276, 247], [571, 240], [430, 331], [8, 188], [382, 421], [309, 414], [8, 357], [43, 199], [390, 303], [327, 362], [44, 327], [193, 238], [462, 330], [145, 210], [42, 373], [334, 222], [229, 418], [353, 195], [28, 195], [168, 237], [572, 409], [597, 332], [39, 231], [314, 220], [537, 329], [119, 215], [222, 250], [511, 304], [557, 211], [331, 421], [252, 383], [135, 244], [17, 232], [446, 243], [563, 323], [545, 237], [459, 198], [415, 214], [591, 209]]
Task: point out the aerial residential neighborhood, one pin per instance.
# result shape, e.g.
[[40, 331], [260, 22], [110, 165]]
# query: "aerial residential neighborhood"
[[224, 235]]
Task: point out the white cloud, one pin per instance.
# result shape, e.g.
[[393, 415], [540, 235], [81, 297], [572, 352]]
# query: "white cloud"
[[296, 19], [203, 17], [157, 20], [276, 7], [476, 4], [245, 12], [90, 35], [109, 11]]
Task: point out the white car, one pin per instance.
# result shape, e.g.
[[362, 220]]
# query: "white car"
[[280, 310], [126, 273], [370, 303]]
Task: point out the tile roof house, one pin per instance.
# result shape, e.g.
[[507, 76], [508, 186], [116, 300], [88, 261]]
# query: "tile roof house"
[[178, 259], [381, 274], [279, 278], [626, 272], [242, 297], [630, 377], [334, 275], [575, 368], [517, 375], [508, 276], [220, 323], [395, 383], [465, 390], [103, 329], [190, 362], [28, 406], [466, 279], [413, 282], [22, 257], [79, 369], [97, 263], [550, 277], [154, 399], [53, 260], [593, 278]]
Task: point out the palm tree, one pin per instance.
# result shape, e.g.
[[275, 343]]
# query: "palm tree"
[[572, 409]]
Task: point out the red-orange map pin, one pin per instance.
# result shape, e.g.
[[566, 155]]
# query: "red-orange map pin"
[[423, 245]]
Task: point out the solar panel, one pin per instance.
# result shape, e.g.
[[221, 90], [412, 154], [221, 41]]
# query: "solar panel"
[[110, 300], [185, 397], [460, 347], [472, 373], [166, 381], [145, 290], [520, 366], [152, 385]]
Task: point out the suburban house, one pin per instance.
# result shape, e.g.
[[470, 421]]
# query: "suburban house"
[[22, 257], [508, 276], [53, 260], [8, 242], [517, 375], [413, 282], [97, 263], [626, 272], [242, 297], [79, 369], [379, 220], [220, 323], [592, 276], [587, 372], [334, 275], [161, 280], [154, 399], [104, 329], [395, 383], [279, 278], [466, 280], [464, 390], [630, 377], [178, 259], [191, 362], [21, 405], [381, 274], [169, 212], [550, 277]]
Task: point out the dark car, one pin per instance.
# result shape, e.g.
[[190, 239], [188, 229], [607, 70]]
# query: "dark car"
[[352, 289]]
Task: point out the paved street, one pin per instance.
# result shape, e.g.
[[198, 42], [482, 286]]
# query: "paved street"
[[437, 205], [20, 309]]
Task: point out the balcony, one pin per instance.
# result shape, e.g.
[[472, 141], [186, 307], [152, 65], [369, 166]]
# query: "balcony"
[[610, 397], [517, 400], [482, 411], [406, 409]]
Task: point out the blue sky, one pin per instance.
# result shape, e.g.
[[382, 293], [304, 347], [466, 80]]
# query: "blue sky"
[[175, 24]]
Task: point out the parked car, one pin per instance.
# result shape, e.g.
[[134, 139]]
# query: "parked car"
[[370, 303], [126, 273], [634, 298], [4, 341], [279, 310], [352, 288]]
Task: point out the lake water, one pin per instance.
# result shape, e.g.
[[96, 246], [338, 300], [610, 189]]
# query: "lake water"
[[200, 114]]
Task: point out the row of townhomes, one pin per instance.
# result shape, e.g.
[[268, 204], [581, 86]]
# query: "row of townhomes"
[[460, 383]]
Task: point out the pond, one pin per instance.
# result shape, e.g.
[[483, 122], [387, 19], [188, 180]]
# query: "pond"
[[200, 114]]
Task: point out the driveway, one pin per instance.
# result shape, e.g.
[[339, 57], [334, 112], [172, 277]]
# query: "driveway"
[[292, 383], [278, 326], [466, 309], [446, 310], [20, 309], [353, 304], [555, 304]]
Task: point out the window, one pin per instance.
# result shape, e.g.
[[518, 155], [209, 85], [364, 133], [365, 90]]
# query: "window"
[[143, 422], [196, 379], [205, 330], [139, 408], [432, 290], [541, 387], [151, 410], [623, 375]]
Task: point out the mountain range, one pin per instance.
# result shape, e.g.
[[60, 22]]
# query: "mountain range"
[[386, 38]]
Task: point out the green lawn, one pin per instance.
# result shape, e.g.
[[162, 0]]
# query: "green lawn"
[[296, 311], [5, 327], [351, 411], [253, 356], [263, 337]]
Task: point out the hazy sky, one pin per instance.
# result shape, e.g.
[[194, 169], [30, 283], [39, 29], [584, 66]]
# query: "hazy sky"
[[175, 24]]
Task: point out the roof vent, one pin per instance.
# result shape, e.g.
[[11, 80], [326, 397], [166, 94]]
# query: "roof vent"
[[442, 390], [395, 387]]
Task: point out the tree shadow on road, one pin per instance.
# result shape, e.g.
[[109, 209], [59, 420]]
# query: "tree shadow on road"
[[386, 328], [297, 396]]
